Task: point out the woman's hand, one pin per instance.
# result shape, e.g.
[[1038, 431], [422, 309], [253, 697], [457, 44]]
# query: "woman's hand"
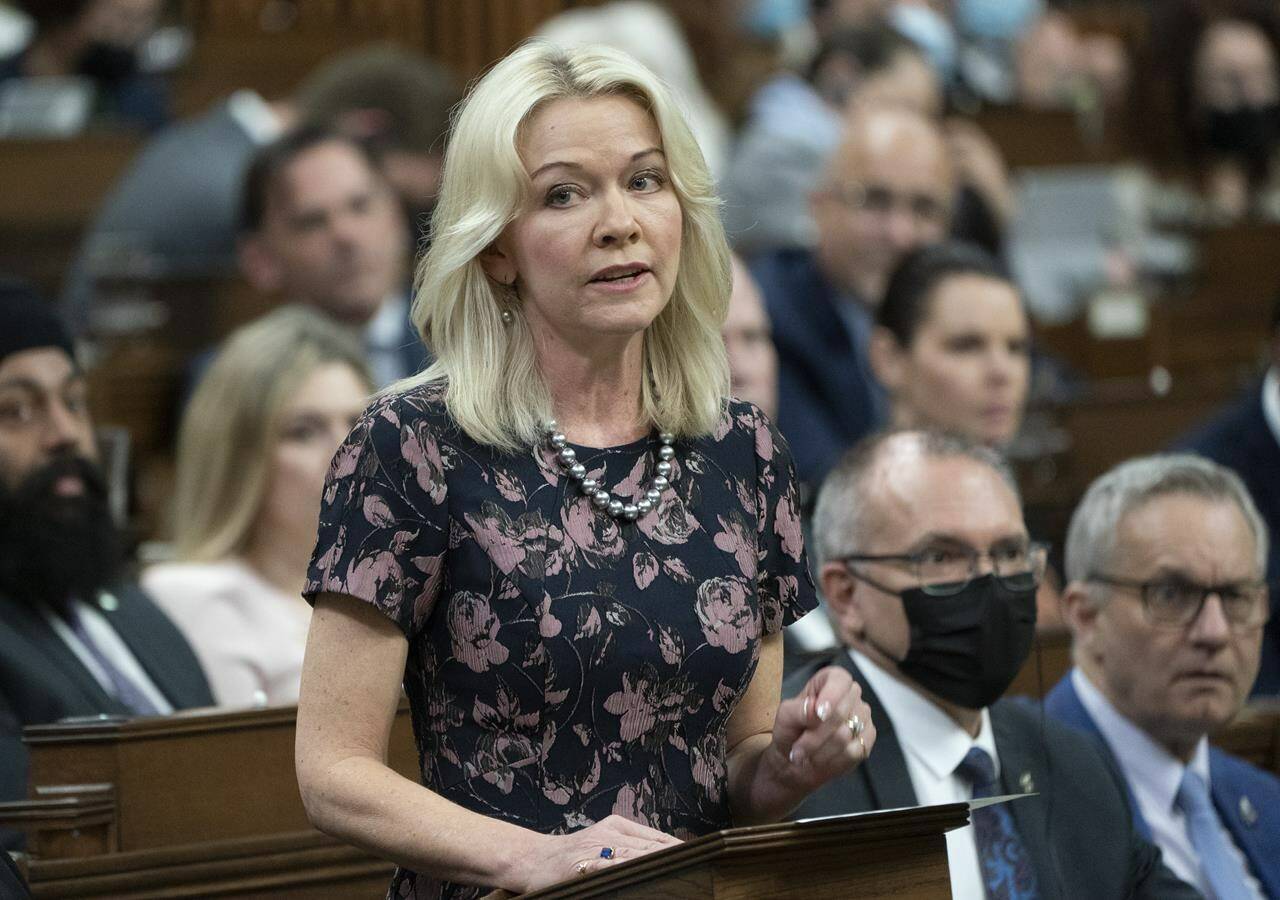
[[824, 731], [562, 857]]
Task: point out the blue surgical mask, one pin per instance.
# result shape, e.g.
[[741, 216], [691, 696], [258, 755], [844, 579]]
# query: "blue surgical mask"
[[771, 18], [996, 20], [929, 31]]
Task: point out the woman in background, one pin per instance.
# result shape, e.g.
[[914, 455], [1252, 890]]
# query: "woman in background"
[[253, 450], [952, 345]]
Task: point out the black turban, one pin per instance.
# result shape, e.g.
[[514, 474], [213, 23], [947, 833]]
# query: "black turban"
[[27, 322]]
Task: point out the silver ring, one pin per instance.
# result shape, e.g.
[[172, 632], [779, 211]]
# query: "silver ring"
[[855, 724], [863, 745]]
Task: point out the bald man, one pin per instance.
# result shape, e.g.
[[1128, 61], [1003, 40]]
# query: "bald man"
[[887, 189]]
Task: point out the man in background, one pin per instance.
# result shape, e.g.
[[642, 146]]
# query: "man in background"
[[931, 580], [321, 226], [1246, 439], [887, 190], [175, 210], [76, 638], [1166, 601]]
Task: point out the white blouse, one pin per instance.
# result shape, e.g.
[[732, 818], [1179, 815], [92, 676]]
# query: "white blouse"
[[248, 635]]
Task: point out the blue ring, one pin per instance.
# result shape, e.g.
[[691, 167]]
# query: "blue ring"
[[606, 853]]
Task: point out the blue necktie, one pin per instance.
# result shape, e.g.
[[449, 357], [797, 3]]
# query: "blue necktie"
[[126, 689], [1220, 867], [1006, 868]]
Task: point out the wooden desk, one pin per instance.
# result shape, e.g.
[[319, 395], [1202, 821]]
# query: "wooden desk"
[[194, 804], [49, 192]]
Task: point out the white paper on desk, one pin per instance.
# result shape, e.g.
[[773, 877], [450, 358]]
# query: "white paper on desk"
[[978, 803]]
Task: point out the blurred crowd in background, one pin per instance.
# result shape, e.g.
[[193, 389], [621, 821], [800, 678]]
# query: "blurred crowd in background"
[[1049, 227]]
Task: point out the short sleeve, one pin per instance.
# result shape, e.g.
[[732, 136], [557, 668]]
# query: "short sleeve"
[[383, 527], [783, 580]]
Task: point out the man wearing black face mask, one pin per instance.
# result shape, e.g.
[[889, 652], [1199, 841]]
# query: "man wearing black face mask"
[[96, 40], [931, 579], [74, 639]]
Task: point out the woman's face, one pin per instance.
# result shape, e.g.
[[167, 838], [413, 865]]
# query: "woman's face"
[[968, 368], [312, 424], [1235, 66], [595, 250]]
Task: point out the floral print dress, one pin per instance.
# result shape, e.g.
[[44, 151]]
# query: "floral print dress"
[[563, 665]]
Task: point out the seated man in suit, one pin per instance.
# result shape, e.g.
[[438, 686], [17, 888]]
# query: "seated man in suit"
[[931, 581], [886, 190], [1166, 603], [1246, 439], [177, 203], [74, 639], [321, 226]]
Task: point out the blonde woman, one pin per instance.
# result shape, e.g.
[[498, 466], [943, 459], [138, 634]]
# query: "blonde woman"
[[573, 551], [254, 446]]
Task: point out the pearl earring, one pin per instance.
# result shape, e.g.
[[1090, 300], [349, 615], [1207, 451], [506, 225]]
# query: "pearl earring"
[[508, 317]]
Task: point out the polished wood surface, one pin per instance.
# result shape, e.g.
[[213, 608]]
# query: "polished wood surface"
[[896, 853], [195, 804]]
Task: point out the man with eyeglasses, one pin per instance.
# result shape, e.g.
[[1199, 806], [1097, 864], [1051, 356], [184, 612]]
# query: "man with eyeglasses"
[[886, 190], [1166, 603], [931, 579]]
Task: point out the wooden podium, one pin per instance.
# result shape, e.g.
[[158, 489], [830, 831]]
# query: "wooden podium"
[[900, 853], [206, 803]]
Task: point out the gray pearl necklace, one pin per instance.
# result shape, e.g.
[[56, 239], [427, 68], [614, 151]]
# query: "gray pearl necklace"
[[601, 498]]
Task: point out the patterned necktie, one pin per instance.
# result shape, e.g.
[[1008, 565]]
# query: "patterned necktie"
[[1220, 867], [1006, 868], [124, 687]]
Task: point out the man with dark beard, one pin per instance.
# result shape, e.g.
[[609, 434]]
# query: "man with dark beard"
[[74, 640]]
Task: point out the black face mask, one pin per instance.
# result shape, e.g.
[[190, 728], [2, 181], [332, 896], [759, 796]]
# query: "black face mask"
[[107, 63], [1248, 133], [967, 648]]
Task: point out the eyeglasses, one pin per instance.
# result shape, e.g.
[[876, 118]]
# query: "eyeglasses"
[[1176, 602], [944, 570], [880, 201]]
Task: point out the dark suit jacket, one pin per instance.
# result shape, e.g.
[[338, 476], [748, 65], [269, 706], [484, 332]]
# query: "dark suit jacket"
[[178, 203], [42, 680], [1240, 439], [1079, 831], [827, 399], [1247, 798]]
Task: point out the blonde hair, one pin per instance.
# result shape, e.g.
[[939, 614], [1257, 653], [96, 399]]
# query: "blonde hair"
[[230, 425], [495, 391]]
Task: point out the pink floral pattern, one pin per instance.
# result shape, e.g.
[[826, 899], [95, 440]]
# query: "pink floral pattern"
[[563, 666]]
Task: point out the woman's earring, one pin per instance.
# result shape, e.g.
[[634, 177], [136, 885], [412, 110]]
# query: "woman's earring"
[[512, 297]]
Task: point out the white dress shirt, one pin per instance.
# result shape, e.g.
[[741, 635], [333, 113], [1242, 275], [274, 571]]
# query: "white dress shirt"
[[1271, 401], [110, 645], [1154, 775], [384, 339], [255, 116], [934, 745]]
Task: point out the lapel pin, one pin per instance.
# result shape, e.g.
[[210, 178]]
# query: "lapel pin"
[[1248, 812], [108, 602], [1027, 784]]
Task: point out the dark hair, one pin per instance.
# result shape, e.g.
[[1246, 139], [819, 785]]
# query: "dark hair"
[[50, 14], [416, 94], [871, 48], [270, 161], [906, 299]]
